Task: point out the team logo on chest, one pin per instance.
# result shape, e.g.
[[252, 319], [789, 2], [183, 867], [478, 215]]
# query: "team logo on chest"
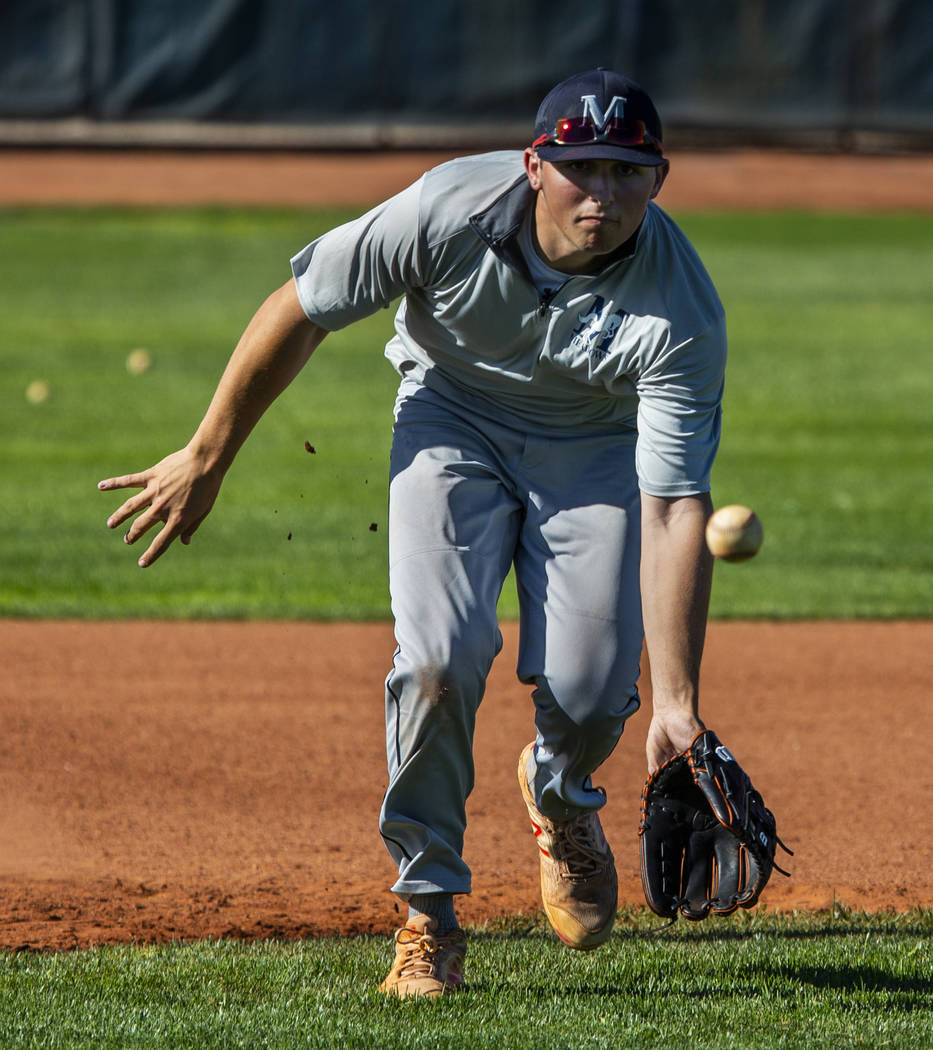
[[596, 328]]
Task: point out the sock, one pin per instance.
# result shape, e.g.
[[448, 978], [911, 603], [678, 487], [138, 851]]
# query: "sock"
[[439, 906]]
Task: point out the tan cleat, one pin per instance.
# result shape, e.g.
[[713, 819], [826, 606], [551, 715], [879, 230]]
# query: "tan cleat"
[[579, 886], [425, 964]]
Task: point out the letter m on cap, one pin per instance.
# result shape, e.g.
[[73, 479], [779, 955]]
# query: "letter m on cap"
[[591, 109]]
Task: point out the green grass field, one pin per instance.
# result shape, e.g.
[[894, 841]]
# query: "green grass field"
[[829, 981], [826, 431], [827, 435]]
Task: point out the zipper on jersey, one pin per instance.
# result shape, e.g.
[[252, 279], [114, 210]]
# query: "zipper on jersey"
[[546, 299]]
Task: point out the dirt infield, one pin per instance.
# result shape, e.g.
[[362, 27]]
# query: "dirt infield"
[[168, 781], [162, 781], [748, 179]]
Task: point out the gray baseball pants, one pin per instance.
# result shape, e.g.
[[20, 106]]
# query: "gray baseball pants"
[[467, 499]]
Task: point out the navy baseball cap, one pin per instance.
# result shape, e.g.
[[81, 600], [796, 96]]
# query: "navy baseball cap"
[[599, 115]]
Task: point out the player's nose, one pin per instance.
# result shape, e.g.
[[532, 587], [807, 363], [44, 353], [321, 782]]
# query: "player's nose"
[[601, 185]]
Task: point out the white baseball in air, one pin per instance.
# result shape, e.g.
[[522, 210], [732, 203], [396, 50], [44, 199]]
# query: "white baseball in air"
[[734, 533]]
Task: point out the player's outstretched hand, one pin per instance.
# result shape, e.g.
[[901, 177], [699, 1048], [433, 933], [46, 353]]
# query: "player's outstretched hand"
[[179, 491]]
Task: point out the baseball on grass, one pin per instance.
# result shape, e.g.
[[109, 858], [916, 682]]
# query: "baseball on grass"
[[38, 391], [138, 361], [734, 533]]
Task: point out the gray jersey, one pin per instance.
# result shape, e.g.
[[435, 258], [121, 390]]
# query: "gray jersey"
[[638, 349]]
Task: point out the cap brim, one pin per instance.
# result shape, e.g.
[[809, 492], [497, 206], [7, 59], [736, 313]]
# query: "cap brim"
[[600, 151]]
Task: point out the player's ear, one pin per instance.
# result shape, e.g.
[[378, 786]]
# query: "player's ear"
[[660, 174], [533, 166]]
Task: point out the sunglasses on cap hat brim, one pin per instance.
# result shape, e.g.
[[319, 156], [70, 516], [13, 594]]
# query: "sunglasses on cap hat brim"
[[583, 131]]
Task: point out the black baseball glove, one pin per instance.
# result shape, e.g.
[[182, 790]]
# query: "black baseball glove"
[[707, 838]]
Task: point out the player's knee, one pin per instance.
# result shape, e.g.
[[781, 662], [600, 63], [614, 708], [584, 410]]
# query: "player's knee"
[[578, 718], [610, 719], [445, 676], [588, 699]]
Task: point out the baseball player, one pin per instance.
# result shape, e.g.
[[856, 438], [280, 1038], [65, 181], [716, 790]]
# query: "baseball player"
[[561, 351]]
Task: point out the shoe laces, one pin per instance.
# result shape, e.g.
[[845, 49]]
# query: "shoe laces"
[[422, 953], [580, 844]]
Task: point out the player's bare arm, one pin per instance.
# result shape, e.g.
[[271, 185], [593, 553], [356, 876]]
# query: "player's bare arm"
[[676, 574], [180, 490]]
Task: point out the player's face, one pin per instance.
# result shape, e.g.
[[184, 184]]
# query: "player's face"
[[585, 209]]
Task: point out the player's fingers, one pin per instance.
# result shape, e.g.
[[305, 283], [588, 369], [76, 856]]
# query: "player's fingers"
[[142, 525], [192, 529], [159, 545], [658, 750], [126, 510], [132, 505], [153, 553], [127, 481]]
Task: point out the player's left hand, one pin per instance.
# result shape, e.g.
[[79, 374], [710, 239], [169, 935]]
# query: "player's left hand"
[[670, 733], [707, 839]]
